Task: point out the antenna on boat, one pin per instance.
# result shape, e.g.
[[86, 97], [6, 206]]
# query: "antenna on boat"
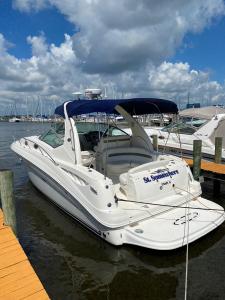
[[105, 95], [77, 94], [188, 99], [93, 94]]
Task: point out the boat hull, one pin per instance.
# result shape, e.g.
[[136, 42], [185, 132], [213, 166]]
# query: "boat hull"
[[68, 203], [166, 229], [177, 226]]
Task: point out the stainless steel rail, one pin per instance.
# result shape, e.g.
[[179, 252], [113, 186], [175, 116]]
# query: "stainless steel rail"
[[42, 150]]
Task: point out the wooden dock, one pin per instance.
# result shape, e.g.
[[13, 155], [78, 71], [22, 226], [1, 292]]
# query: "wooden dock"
[[209, 166], [18, 280], [210, 171]]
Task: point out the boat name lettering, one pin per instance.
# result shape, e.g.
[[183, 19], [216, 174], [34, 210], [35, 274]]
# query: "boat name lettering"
[[159, 176], [184, 219]]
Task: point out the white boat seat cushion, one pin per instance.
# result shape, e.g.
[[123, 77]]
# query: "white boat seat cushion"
[[88, 158], [123, 179], [121, 160]]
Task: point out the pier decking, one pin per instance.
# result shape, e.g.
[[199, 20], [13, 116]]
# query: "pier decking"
[[209, 166], [18, 280]]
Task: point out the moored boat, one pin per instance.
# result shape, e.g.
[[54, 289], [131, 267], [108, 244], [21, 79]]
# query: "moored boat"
[[203, 124], [116, 184]]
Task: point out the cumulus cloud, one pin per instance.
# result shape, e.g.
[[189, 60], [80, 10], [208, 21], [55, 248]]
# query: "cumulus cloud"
[[38, 44], [178, 81], [54, 73], [124, 47], [127, 35], [27, 5]]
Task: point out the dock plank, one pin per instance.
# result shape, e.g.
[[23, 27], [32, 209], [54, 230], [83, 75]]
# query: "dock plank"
[[209, 166], [18, 279], [7, 244], [39, 295], [6, 235], [23, 266], [1, 220], [24, 286]]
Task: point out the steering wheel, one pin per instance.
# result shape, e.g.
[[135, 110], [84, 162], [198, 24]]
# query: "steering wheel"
[[93, 137]]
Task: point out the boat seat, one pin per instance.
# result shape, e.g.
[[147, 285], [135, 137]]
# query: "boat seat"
[[88, 158], [123, 179], [121, 160], [84, 144]]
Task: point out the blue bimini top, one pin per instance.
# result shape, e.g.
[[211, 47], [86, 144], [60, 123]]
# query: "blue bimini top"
[[135, 106]]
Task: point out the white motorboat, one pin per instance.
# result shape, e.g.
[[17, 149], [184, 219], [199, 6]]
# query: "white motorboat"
[[115, 184], [14, 120], [204, 124]]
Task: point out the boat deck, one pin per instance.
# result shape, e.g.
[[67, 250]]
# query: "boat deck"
[[18, 280]]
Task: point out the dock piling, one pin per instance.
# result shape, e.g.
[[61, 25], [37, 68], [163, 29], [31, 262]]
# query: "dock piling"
[[218, 149], [217, 158], [155, 142], [7, 199], [197, 156]]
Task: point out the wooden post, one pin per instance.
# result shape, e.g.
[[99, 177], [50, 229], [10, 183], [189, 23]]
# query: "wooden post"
[[7, 199], [197, 156], [155, 142], [218, 155], [218, 149]]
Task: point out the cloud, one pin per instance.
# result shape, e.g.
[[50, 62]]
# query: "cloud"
[[53, 72], [4, 44], [126, 36], [178, 80], [38, 44], [47, 72], [30, 5]]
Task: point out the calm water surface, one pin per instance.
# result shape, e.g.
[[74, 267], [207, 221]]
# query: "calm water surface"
[[73, 263]]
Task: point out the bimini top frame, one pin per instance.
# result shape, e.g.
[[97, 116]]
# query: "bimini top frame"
[[135, 106]]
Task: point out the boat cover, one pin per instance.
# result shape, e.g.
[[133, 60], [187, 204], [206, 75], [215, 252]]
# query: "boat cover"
[[207, 112], [135, 106]]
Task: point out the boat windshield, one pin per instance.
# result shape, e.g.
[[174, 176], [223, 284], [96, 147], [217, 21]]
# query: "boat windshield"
[[196, 122], [89, 134], [180, 128], [54, 136]]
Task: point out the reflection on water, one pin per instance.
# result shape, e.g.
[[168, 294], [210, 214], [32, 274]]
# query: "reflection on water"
[[73, 263]]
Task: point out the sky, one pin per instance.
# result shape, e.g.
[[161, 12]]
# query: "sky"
[[50, 49]]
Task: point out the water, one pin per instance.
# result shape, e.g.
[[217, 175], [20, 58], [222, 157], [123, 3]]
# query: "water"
[[73, 263]]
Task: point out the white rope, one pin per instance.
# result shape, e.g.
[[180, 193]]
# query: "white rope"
[[107, 136], [187, 245]]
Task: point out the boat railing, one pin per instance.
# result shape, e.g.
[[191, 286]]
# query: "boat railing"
[[42, 150]]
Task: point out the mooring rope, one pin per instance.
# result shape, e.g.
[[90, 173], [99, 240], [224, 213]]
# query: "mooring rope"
[[168, 205], [187, 208], [187, 221]]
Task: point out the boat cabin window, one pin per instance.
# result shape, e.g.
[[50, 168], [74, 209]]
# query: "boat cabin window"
[[180, 128], [55, 136]]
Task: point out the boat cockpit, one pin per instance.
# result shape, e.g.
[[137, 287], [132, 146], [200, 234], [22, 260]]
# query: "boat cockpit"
[[104, 147]]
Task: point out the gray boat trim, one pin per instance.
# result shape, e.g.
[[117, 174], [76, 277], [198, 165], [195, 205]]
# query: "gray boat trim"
[[63, 192]]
